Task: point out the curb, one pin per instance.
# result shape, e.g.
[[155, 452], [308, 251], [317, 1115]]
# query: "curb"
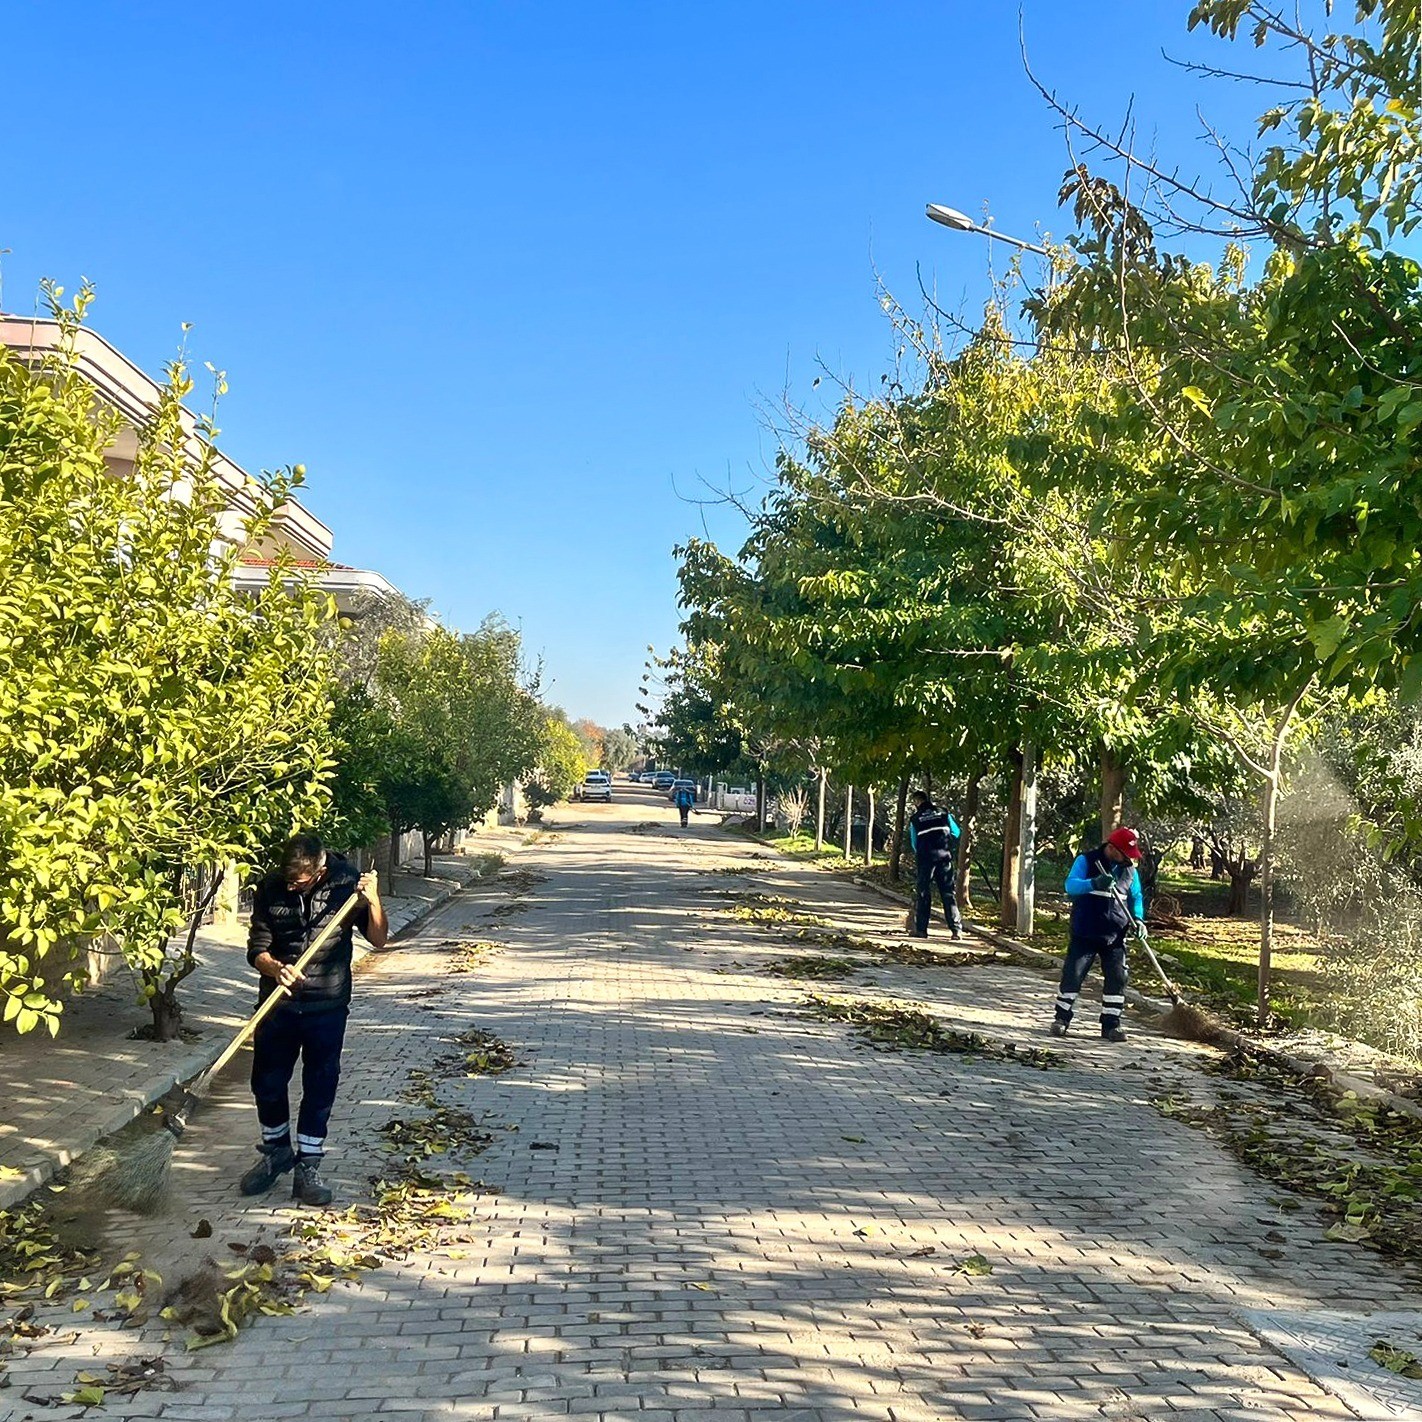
[[42, 1166]]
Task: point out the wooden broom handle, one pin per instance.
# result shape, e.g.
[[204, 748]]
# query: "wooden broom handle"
[[274, 999]]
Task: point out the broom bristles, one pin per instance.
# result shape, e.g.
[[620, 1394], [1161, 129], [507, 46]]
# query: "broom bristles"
[[1188, 1022], [129, 1171]]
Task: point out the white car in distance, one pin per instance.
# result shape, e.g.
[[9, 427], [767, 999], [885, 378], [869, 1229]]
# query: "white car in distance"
[[597, 785]]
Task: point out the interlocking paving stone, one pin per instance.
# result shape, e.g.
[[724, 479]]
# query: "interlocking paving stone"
[[705, 1243]]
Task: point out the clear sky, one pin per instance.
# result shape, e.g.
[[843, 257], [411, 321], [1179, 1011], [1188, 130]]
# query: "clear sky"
[[516, 280]]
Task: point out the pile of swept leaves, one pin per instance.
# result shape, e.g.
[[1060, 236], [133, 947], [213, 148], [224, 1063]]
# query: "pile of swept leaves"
[[792, 920], [482, 1054], [812, 966], [936, 957], [772, 911], [891, 1026], [521, 881], [446, 1130], [1359, 1159], [470, 953]]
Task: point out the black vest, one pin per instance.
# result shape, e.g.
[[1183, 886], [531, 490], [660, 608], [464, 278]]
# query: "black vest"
[[934, 837], [297, 919], [1103, 913]]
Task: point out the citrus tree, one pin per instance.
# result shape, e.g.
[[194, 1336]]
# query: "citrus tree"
[[156, 721]]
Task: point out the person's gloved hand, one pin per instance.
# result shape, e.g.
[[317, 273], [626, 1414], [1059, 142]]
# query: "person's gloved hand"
[[1142, 933], [1102, 881]]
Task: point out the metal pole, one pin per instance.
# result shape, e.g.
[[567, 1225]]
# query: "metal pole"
[[1027, 852]]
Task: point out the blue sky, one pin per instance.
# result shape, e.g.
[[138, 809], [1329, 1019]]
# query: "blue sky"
[[516, 281]]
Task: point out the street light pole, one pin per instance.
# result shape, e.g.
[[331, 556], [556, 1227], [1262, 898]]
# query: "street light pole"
[[1026, 885], [960, 222]]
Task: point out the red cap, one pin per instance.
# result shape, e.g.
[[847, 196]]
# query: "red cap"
[[1127, 841]]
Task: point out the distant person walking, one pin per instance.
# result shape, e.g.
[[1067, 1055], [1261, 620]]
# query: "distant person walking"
[[934, 835], [1106, 909], [292, 906], [685, 799]]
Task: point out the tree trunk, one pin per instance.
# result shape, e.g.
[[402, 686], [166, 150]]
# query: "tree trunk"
[[896, 858], [969, 827], [760, 802], [162, 994], [848, 820], [1011, 845], [384, 856], [1113, 790], [429, 840], [869, 835], [820, 811], [167, 1012]]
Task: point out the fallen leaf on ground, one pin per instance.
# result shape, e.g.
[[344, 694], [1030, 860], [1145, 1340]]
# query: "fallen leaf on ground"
[[974, 1264]]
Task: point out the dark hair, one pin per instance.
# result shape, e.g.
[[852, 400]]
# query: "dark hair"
[[924, 796], [301, 854]]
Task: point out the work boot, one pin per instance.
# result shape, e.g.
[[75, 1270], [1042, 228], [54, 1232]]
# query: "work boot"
[[1112, 1034], [306, 1185], [276, 1160], [957, 935], [1059, 1028]]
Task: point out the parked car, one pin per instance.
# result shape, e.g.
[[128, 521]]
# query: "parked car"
[[663, 780], [597, 785]]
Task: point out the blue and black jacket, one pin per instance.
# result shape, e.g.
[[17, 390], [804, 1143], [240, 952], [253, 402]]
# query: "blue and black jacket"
[[933, 833], [1103, 913]]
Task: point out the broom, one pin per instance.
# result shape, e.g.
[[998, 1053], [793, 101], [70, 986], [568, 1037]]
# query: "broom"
[[1183, 1019], [131, 1169]]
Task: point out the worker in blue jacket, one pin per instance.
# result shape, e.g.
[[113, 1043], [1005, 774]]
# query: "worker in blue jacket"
[[1106, 910], [934, 835]]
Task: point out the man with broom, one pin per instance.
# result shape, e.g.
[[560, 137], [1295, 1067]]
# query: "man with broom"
[[292, 905], [934, 835], [1106, 908]]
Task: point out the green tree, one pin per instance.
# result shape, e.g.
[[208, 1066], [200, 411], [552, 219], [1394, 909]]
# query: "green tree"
[[466, 724], [156, 721], [560, 766]]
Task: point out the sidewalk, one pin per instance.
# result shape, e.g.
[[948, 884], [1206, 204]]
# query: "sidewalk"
[[63, 1094]]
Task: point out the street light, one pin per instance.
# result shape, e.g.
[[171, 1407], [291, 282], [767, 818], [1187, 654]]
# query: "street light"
[[1026, 885], [961, 222]]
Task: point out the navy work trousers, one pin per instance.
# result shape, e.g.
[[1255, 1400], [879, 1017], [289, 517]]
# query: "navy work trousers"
[[942, 872], [314, 1037], [1080, 954]]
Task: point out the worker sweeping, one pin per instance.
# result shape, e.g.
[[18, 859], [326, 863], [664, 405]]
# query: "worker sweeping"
[[1106, 910], [934, 835], [685, 800], [291, 906]]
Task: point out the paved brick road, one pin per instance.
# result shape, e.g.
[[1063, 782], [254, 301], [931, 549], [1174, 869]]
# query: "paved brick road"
[[729, 1229]]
